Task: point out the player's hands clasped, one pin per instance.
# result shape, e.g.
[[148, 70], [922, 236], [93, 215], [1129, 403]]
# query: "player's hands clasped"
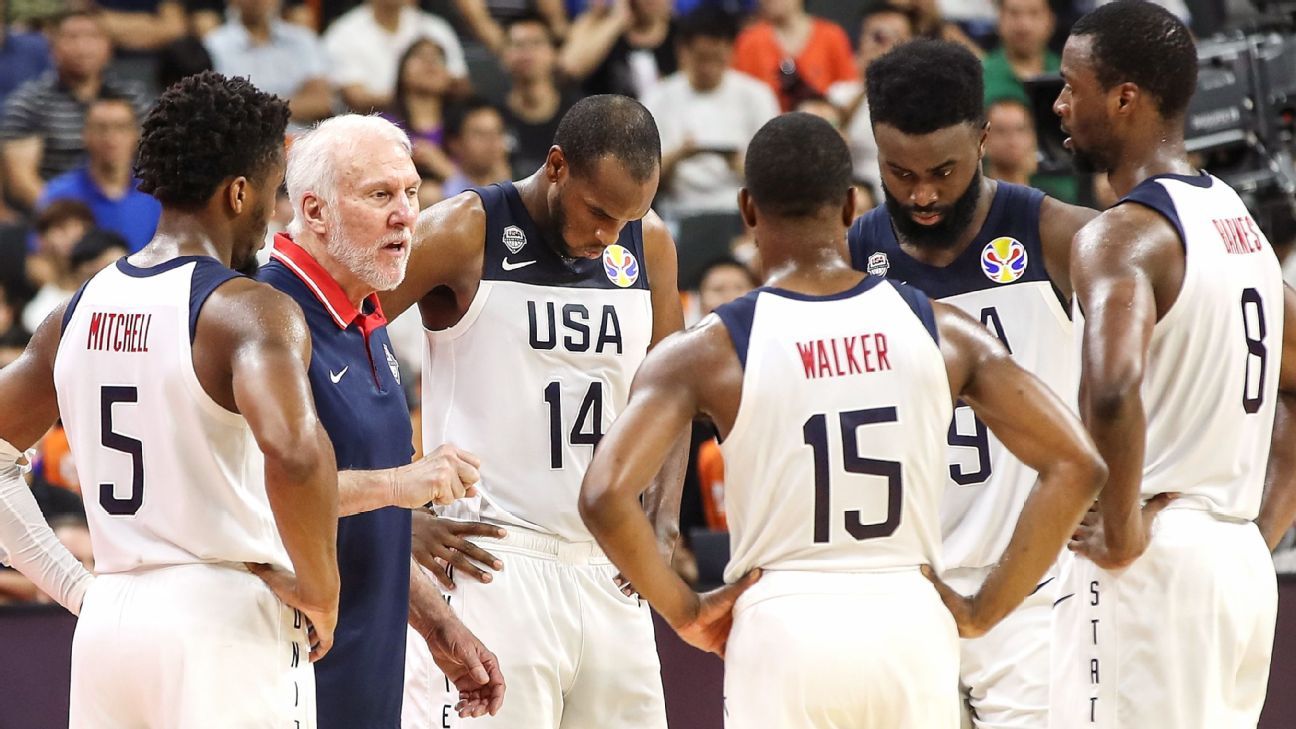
[[709, 629], [441, 546], [442, 476], [321, 614], [467, 663]]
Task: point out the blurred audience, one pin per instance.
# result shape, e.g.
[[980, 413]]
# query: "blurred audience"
[[1011, 154], [706, 114], [1025, 27], [58, 229], [620, 47], [23, 56], [930, 22], [422, 86], [281, 58], [365, 45], [143, 25], [488, 20], [13, 337], [534, 103], [795, 53], [475, 138], [41, 130], [882, 28], [107, 183]]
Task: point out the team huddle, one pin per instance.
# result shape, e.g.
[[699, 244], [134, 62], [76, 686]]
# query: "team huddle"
[[992, 460]]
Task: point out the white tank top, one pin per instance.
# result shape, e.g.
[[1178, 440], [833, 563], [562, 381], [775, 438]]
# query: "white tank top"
[[537, 369], [168, 475], [836, 459], [1212, 376]]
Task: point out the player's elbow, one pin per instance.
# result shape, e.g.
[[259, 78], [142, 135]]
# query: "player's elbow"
[[298, 457], [1111, 398], [595, 502]]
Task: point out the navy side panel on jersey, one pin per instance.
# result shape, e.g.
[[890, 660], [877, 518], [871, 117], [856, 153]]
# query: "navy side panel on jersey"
[[1007, 242], [360, 683], [517, 251], [1150, 193]]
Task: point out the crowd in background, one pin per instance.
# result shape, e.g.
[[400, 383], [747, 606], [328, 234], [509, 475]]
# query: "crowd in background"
[[479, 85]]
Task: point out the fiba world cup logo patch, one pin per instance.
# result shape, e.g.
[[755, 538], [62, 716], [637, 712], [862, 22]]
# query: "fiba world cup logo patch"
[[1003, 260], [620, 266]]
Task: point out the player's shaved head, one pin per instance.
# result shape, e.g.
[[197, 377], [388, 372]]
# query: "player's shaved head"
[[797, 164], [204, 130], [608, 125]]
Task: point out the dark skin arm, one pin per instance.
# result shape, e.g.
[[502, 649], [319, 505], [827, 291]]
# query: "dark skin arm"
[[251, 353], [1127, 267], [696, 371], [1278, 510], [27, 386], [1059, 223], [1035, 425]]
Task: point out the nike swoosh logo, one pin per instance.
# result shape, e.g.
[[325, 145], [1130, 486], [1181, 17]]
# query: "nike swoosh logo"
[[510, 266], [1040, 586], [1063, 599], [337, 376]]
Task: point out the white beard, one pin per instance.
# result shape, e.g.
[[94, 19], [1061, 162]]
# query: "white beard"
[[363, 262]]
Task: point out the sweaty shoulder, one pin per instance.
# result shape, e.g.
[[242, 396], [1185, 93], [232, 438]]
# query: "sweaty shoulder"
[[702, 359], [1059, 223], [1130, 240]]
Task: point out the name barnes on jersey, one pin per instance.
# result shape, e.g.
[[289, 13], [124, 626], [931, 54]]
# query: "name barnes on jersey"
[[840, 356], [117, 332]]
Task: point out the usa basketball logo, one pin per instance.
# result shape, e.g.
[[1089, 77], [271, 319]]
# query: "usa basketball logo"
[[620, 266], [1004, 260]]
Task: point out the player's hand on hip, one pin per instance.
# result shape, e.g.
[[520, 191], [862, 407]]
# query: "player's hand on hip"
[[960, 606], [441, 546], [441, 477], [1092, 542], [709, 629], [321, 620], [467, 663]]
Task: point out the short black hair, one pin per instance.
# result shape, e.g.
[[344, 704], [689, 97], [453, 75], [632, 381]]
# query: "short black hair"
[[532, 18], [796, 165], [610, 124], [456, 115], [706, 22], [925, 85], [716, 264], [95, 243], [1143, 43], [205, 129]]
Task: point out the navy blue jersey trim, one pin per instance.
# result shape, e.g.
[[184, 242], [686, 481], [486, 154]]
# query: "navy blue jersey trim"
[[1201, 179], [737, 316], [864, 284], [138, 272], [208, 275], [72, 305], [921, 306], [1151, 194]]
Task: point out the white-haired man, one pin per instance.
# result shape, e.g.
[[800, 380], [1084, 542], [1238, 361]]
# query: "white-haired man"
[[354, 192]]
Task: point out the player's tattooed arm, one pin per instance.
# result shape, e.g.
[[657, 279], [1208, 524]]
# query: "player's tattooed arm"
[[466, 662], [440, 477], [1059, 223], [28, 407], [1037, 427], [1127, 268], [1278, 509], [690, 373]]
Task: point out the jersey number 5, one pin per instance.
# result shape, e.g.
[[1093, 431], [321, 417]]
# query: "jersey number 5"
[[111, 395], [816, 436]]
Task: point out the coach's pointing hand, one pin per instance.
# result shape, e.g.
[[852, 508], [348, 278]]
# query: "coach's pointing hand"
[[442, 476]]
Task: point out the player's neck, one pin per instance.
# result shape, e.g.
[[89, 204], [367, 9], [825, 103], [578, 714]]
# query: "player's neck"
[[185, 233], [1162, 153], [534, 191]]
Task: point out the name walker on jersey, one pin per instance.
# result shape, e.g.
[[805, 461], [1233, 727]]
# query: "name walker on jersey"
[[842, 356]]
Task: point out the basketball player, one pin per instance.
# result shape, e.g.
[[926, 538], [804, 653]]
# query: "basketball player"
[[540, 299], [354, 191], [832, 391], [1188, 349], [184, 393], [1000, 252]]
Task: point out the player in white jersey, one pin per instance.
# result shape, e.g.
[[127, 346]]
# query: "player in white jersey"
[[183, 388], [832, 391], [1166, 613], [999, 252], [540, 299]]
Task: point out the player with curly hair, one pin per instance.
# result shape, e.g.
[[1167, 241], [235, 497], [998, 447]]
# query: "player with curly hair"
[[183, 388]]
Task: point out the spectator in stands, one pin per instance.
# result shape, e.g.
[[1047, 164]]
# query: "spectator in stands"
[[280, 58], [106, 183], [706, 113], [534, 103], [795, 53], [1025, 27], [41, 130], [49, 267], [489, 19], [422, 86], [181, 59], [23, 56], [1010, 151], [144, 25], [930, 23], [620, 47], [89, 255], [365, 45], [475, 137], [883, 28]]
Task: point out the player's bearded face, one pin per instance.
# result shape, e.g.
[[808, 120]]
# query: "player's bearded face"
[[954, 217], [380, 264]]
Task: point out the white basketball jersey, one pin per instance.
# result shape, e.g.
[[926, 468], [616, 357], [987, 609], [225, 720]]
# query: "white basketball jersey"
[[1001, 281], [537, 369], [168, 475], [1212, 375], [836, 458]]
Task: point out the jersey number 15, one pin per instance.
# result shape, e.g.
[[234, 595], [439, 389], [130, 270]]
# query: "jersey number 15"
[[816, 436]]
